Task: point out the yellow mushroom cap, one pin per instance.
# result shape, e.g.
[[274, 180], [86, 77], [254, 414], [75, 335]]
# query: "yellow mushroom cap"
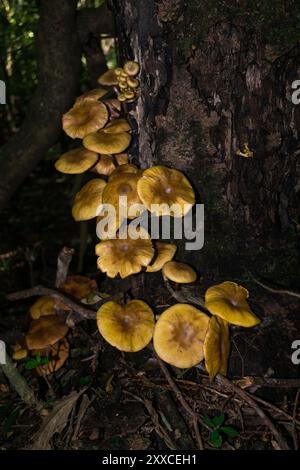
[[105, 143], [133, 82], [124, 184], [114, 107], [123, 168], [79, 287], [127, 327], [20, 354], [57, 355], [117, 126], [45, 331], [44, 306], [228, 300], [179, 335], [124, 256], [105, 165], [88, 200], [181, 273], [164, 252], [121, 97], [109, 78], [92, 95], [216, 347], [132, 68], [166, 187], [84, 118], [76, 161]]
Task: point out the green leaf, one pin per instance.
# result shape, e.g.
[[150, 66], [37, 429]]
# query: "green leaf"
[[30, 364], [230, 431], [38, 357], [218, 420], [216, 439], [85, 380], [44, 361], [208, 421]]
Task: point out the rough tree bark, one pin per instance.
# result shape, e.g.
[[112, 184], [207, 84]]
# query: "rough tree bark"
[[62, 36], [210, 87]]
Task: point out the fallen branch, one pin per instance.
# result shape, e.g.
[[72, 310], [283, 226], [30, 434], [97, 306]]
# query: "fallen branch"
[[248, 399], [182, 401], [63, 263], [19, 384], [85, 313], [183, 296], [273, 290]]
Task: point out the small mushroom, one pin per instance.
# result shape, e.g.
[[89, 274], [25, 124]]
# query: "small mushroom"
[[109, 78], [88, 200], [76, 161], [126, 168], [105, 165], [127, 327], [133, 82], [179, 335], [117, 126], [228, 300], [122, 158], [131, 68], [84, 118], [79, 287], [181, 273], [164, 252], [45, 331], [44, 306], [160, 188], [124, 256], [19, 352], [57, 355], [216, 347], [92, 95]]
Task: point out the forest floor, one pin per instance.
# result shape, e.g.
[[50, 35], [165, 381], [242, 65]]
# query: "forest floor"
[[104, 399]]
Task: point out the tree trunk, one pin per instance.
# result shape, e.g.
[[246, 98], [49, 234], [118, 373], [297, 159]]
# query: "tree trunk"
[[210, 88]]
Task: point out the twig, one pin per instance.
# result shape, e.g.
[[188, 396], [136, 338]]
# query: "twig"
[[19, 384], [246, 397], [294, 430], [183, 296], [63, 263], [85, 403], [182, 401], [272, 289], [85, 313]]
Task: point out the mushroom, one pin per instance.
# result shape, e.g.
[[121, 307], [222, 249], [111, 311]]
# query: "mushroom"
[[164, 252], [84, 118], [216, 347], [160, 188], [44, 306], [19, 352], [117, 126], [92, 95], [88, 200], [124, 256], [76, 161], [107, 143], [123, 184], [45, 331], [79, 287], [122, 158], [114, 107], [105, 165], [228, 300], [110, 229], [181, 273], [57, 355], [131, 68], [179, 335], [109, 78], [127, 327], [123, 168]]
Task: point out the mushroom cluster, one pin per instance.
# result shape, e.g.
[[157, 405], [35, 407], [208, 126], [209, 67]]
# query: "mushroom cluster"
[[183, 335], [124, 78], [46, 336]]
